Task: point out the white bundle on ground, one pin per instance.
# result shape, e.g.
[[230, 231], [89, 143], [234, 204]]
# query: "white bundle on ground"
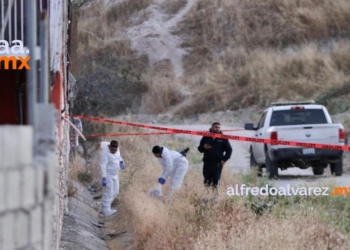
[[156, 191]]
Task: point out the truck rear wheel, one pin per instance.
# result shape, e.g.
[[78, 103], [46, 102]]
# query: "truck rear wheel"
[[254, 164], [337, 168], [271, 167], [318, 169]]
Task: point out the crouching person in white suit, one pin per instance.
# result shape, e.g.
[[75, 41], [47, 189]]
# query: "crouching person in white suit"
[[174, 165], [110, 162]]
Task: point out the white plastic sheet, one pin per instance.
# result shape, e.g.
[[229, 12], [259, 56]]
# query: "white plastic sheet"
[[156, 191]]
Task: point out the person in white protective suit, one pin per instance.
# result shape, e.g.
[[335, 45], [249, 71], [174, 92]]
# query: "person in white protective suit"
[[110, 161], [174, 165]]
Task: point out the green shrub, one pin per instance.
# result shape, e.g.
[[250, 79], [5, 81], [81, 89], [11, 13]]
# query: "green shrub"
[[85, 177], [325, 97]]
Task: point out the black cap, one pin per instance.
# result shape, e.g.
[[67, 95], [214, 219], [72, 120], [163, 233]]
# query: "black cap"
[[113, 144], [156, 149]]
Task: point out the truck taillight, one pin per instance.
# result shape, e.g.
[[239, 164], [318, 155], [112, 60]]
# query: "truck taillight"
[[274, 135], [341, 135], [297, 107]]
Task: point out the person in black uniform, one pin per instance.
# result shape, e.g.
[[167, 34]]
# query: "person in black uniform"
[[216, 152]]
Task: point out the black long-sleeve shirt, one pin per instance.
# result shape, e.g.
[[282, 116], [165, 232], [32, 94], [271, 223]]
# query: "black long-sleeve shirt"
[[220, 150]]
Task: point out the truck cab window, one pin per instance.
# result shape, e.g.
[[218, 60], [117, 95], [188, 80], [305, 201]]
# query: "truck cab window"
[[298, 117], [262, 120]]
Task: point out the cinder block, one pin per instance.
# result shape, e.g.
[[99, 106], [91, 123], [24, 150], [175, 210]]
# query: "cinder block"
[[22, 230], [38, 246], [39, 184], [2, 192], [36, 224], [9, 146], [8, 232], [17, 146], [13, 189], [28, 187], [25, 136], [48, 225], [51, 174]]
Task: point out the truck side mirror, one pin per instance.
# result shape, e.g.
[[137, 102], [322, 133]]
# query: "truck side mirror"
[[249, 126]]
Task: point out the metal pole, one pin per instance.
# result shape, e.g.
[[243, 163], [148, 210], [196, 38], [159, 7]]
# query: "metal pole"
[[10, 22], [22, 23], [2, 19], [2, 12], [5, 19], [30, 6], [44, 60], [15, 20]]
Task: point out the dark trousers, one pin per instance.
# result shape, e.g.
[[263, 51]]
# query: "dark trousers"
[[212, 173]]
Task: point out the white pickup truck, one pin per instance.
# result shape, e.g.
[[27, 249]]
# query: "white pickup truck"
[[298, 122]]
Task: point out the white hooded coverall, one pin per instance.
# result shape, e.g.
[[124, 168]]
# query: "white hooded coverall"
[[174, 165], [109, 164]]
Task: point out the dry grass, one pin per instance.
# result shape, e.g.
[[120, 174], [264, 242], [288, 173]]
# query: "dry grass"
[[76, 167], [110, 82], [198, 219], [124, 11], [101, 28], [193, 221], [106, 60], [268, 232], [259, 23], [163, 91], [347, 124], [174, 6], [240, 78], [241, 52], [254, 52]]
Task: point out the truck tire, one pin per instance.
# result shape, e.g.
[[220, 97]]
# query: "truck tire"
[[254, 164], [271, 167], [337, 168], [318, 169]]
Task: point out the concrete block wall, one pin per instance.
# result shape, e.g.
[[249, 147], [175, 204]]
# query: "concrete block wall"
[[32, 183], [25, 200], [47, 151]]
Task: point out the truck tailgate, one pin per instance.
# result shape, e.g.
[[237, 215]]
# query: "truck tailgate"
[[317, 133]]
